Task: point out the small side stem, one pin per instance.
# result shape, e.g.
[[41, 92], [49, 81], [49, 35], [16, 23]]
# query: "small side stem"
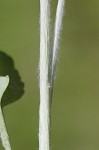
[[57, 32], [3, 132]]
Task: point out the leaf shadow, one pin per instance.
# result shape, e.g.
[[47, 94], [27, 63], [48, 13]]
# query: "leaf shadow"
[[15, 88]]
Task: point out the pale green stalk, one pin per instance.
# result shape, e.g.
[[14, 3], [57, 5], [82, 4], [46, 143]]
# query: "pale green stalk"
[[4, 81]]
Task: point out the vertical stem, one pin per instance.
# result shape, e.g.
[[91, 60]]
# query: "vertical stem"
[[44, 112], [47, 68], [57, 32], [3, 133]]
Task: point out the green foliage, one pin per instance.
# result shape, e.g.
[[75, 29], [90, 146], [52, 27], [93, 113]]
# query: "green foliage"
[[16, 87]]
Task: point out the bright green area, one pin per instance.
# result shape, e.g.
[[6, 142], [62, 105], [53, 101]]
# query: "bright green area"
[[75, 114]]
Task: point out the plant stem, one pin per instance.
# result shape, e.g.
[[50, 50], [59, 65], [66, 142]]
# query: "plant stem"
[[4, 81], [44, 112], [3, 133], [48, 59], [57, 32]]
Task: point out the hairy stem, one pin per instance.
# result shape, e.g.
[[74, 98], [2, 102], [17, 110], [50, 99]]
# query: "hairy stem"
[[48, 59], [57, 32], [44, 112]]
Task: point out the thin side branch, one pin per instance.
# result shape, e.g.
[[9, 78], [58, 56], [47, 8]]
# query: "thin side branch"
[[57, 32]]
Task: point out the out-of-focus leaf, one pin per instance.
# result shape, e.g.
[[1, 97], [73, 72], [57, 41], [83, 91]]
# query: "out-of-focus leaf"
[[4, 82], [15, 88]]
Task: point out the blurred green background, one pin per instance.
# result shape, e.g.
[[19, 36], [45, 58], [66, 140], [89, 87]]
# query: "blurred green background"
[[75, 112]]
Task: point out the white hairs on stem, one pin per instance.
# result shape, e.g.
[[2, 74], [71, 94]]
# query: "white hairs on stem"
[[46, 71], [44, 118], [57, 31]]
